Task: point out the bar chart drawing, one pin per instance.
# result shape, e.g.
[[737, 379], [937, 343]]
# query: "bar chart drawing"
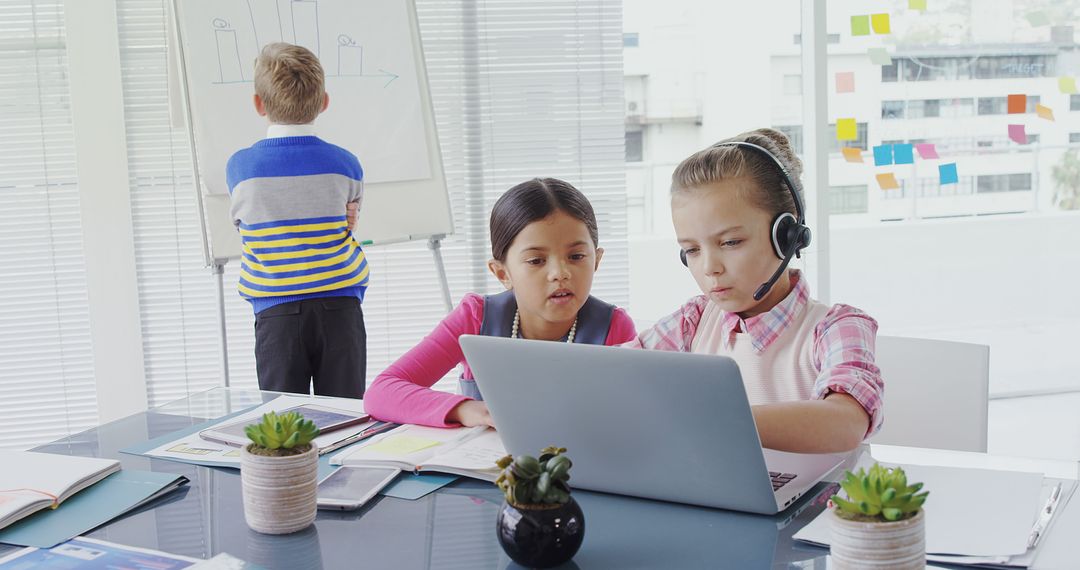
[[350, 57], [230, 69], [305, 24]]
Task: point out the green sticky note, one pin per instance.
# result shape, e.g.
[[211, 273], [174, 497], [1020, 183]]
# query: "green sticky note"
[[917, 5], [1067, 84], [879, 56], [401, 445], [860, 25], [1037, 19]]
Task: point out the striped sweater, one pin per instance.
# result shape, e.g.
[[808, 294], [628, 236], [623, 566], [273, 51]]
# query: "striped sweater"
[[288, 201]]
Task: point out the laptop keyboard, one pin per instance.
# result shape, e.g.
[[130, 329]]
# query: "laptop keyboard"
[[780, 479]]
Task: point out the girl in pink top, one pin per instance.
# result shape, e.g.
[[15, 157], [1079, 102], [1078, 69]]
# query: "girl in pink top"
[[545, 250], [808, 367]]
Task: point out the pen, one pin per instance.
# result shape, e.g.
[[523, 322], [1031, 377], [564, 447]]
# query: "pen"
[[373, 430], [1045, 515]]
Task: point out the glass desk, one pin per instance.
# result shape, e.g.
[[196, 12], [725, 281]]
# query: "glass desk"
[[455, 526]]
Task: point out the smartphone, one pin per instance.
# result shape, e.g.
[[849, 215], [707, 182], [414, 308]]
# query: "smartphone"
[[349, 488], [327, 419]]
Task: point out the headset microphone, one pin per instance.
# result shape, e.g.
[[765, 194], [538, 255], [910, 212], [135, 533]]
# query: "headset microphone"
[[764, 288]]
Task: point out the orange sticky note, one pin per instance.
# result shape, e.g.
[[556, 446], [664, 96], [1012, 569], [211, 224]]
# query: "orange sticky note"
[[887, 181], [880, 23], [1067, 84], [852, 154], [845, 82], [1044, 112], [1017, 104], [846, 130]]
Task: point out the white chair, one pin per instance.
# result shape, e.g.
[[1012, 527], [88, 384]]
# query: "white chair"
[[935, 393]]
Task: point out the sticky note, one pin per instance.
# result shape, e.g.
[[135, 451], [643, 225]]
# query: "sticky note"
[[1044, 112], [1038, 18], [903, 154], [845, 82], [879, 56], [926, 150], [1067, 84], [1017, 134], [917, 5], [860, 25], [1017, 104], [947, 173], [880, 23], [401, 445], [887, 181], [883, 155], [846, 130], [851, 153]]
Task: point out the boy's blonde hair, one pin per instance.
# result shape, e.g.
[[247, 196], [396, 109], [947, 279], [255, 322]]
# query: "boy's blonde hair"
[[290, 81], [718, 163]]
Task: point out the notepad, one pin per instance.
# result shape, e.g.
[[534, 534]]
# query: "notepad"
[[31, 481], [469, 452]]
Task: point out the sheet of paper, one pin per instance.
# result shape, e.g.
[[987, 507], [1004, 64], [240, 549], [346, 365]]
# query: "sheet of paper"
[[926, 150], [417, 445], [887, 181], [947, 173], [479, 453], [1038, 18], [851, 154], [845, 82], [959, 519], [1018, 134]]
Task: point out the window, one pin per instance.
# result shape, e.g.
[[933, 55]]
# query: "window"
[[1003, 183], [892, 109], [972, 67], [848, 199], [1000, 105], [794, 134], [634, 145], [1074, 102], [1074, 137], [793, 84]]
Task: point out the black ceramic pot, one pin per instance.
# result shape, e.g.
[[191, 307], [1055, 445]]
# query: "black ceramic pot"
[[541, 536]]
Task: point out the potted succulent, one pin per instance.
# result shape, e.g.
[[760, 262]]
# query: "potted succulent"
[[540, 525], [279, 472], [881, 523]]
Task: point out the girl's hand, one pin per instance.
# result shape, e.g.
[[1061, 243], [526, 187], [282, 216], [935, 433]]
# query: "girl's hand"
[[470, 413]]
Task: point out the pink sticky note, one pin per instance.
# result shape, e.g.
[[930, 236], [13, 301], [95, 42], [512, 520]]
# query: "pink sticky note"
[[845, 82], [926, 150], [1018, 134]]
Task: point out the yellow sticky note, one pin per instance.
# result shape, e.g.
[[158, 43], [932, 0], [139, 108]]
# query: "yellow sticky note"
[[880, 23], [1067, 84], [887, 181], [860, 26], [851, 154], [917, 5], [402, 445], [846, 130], [1044, 112]]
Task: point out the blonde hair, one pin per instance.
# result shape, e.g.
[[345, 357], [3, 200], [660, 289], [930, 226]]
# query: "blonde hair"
[[289, 79], [720, 162]]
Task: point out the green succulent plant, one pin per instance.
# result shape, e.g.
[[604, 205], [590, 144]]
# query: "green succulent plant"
[[882, 494], [287, 431], [527, 480]]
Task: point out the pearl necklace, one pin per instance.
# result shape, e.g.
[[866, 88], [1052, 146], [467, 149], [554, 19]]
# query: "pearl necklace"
[[517, 321]]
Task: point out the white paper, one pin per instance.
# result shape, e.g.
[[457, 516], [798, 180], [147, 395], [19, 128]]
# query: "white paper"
[[970, 512]]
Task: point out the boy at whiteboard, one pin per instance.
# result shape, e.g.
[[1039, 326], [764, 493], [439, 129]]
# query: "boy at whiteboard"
[[302, 270]]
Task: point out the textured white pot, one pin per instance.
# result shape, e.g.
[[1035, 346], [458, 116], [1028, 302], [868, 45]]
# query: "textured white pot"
[[896, 545], [279, 492]]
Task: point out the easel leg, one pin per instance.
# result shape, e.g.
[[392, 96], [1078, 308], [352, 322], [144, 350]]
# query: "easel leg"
[[219, 277], [435, 245]]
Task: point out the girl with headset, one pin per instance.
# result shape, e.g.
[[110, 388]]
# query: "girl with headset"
[[808, 367]]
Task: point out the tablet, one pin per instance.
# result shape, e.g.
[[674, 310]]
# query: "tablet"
[[349, 488], [327, 419]]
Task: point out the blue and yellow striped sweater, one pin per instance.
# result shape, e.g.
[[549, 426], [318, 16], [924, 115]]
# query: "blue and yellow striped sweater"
[[288, 201]]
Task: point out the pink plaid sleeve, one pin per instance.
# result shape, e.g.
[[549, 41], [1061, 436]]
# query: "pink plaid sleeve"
[[674, 332], [844, 356]]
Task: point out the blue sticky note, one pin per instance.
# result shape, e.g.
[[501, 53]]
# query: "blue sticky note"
[[883, 155], [903, 154], [947, 172]]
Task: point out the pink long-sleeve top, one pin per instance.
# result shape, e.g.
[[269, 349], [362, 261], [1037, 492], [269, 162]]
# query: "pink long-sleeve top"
[[403, 394]]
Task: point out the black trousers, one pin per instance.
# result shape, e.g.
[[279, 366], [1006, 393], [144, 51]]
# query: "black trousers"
[[321, 341]]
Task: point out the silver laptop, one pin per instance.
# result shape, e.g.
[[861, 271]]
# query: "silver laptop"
[[660, 425]]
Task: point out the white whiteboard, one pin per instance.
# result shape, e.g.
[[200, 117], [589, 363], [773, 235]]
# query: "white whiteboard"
[[380, 105]]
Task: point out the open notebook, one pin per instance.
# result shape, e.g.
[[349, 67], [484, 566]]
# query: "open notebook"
[[31, 481], [470, 452]]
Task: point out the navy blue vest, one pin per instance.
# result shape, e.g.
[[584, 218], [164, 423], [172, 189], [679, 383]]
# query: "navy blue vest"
[[594, 321]]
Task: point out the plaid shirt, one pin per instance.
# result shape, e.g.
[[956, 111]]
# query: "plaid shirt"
[[843, 349]]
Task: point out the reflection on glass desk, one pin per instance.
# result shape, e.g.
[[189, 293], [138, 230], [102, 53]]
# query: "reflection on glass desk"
[[452, 528]]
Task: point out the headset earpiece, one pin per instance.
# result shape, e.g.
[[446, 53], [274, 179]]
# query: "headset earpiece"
[[682, 257]]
